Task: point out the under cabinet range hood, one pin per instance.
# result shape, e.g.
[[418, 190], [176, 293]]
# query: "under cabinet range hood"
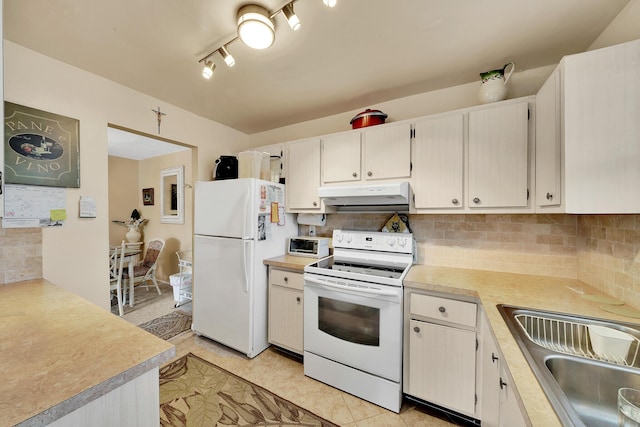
[[388, 197]]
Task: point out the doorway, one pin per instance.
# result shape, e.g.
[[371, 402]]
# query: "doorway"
[[136, 161]]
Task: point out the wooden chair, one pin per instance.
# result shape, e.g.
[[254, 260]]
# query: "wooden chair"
[[146, 270], [116, 262]]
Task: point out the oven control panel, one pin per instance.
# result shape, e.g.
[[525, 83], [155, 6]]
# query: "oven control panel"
[[374, 241]]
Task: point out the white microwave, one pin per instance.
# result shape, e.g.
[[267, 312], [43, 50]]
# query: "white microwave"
[[316, 247]]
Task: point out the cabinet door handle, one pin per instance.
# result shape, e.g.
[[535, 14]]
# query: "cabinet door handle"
[[369, 173], [549, 196], [441, 309], [416, 329], [494, 358], [454, 201], [355, 175], [476, 200], [502, 384], [315, 204], [286, 279], [298, 299]]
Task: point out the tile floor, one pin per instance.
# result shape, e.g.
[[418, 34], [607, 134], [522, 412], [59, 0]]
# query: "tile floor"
[[283, 374]]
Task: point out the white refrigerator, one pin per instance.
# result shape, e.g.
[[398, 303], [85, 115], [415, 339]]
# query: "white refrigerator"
[[237, 224]]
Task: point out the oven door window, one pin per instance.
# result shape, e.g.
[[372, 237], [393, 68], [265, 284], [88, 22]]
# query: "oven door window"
[[350, 322]]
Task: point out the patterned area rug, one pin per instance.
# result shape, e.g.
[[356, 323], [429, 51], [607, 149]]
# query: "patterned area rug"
[[194, 392], [169, 325]]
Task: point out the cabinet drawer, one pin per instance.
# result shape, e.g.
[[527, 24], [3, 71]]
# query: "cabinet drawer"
[[453, 311], [288, 279]]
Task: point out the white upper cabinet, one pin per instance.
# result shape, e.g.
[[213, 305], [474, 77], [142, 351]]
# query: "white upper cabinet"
[[599, 135], [498, 156], [380, 152], [438, 146], [341, 157], [387, 151], [303, 176], [548, 171]]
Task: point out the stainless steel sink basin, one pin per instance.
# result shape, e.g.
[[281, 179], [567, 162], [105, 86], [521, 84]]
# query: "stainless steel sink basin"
[[581, 385]]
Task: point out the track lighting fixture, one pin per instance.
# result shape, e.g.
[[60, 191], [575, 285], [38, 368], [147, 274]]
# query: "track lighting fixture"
[[256, 29], [292, 18], [207, 71], [228, 58]]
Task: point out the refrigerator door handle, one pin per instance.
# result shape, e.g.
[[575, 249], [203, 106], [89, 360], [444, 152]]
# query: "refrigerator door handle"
[[246, 217], [245, 255]]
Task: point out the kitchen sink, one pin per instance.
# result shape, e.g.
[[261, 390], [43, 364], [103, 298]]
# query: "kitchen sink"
[[581, 383]]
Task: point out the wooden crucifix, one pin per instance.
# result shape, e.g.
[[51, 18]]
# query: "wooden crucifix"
[[159, 114]]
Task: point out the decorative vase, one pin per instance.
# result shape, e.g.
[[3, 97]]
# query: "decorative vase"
[[133, 235], [494, 84]]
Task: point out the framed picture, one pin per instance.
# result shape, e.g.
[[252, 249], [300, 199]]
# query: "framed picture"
[[147, 196], [40, 148]]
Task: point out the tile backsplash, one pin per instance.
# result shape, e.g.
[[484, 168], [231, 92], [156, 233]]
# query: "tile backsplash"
[[20, 254], [600, 250], [531, 244], [608, 255]]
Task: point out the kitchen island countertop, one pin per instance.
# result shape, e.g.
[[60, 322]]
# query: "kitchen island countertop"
[[58, 352]]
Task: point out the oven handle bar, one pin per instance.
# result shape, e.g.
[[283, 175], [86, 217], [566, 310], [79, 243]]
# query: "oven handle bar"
[[362, 290]]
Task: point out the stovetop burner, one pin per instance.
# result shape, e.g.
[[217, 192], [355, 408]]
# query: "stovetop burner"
[[374, 257], [331, 264]]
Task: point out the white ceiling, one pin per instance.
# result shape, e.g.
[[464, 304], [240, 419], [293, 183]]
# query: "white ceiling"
[[355, 55]]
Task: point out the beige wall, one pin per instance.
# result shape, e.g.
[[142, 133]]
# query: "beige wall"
[[75, 256], [123, 195], [625, 27], [522, 83]]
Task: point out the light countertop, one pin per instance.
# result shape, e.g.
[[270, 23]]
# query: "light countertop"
[[538, 292], [59, 352], [490, 289], [291, 262]]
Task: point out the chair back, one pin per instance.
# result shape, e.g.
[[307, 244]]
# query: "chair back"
[[116, 261], [154, 249], [114, 257]]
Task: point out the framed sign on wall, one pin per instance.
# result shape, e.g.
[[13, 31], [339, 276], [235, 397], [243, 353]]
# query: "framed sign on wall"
[[40, 148]]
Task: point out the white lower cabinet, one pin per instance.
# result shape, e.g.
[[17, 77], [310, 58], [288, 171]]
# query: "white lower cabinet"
[[442, 362], [286, 309], [440, 356], [501, 406]]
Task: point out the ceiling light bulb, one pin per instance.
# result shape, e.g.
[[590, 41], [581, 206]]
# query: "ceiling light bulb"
[[207, 71], [330, 3], [228, 58], [292, 18], [255, 27]]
